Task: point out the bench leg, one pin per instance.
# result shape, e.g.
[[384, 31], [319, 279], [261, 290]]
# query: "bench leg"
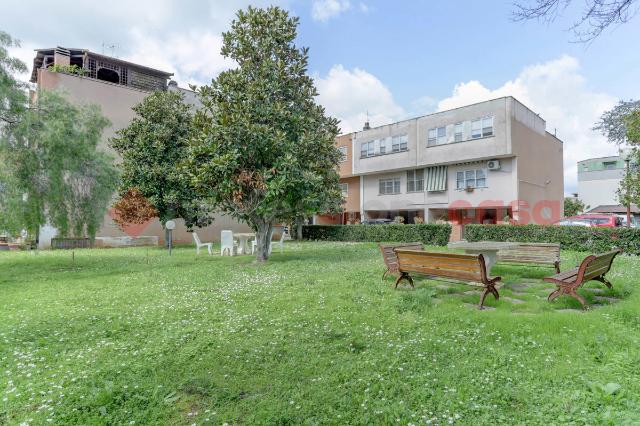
[[557, 266], [405, 276], [488, 289], [579, 298], [604, 281], [384, 274], [554, 294]]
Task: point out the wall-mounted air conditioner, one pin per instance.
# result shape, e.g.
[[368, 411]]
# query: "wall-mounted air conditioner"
[[493, 165]]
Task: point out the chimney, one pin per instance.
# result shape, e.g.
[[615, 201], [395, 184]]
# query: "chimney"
[[366, 126]]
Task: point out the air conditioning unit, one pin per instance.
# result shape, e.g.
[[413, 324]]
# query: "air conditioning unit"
[[493, 165]]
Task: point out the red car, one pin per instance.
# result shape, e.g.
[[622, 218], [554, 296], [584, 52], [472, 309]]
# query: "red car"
[[601, 220]]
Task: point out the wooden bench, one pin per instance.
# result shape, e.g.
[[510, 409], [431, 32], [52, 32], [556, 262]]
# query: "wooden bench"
[[532, 253], [460, 267], [390, 258], [592, 268]]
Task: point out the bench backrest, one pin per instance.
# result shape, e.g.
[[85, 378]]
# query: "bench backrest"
[[531, 253], [389, 256], [465, 267], [596, 265]]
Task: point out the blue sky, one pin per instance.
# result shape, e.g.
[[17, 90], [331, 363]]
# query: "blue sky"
[[395, 59]]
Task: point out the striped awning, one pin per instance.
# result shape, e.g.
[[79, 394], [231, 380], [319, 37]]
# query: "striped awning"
[[437, 178]]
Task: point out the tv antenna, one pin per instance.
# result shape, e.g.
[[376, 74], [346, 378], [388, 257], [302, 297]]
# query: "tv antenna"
[[113, 47]]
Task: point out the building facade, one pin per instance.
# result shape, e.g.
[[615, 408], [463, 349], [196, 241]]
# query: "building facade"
[[599, 180], [116, 86], [482, 163]]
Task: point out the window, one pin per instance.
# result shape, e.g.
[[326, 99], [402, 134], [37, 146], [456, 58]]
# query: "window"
[[415, 180], [344, 188], [389, 186], [399, 143], [476, 129], [367, 149], [458, 132], [487, 127], [437, 136], [471, 179], [433, 137], [343, 151], [609, 165]]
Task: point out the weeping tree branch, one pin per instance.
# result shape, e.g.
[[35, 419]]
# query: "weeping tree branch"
[[597, 15]]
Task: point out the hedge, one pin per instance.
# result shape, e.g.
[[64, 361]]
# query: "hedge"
[[579, 238], [430, 234]]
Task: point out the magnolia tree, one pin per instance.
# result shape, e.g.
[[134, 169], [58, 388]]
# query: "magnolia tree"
[[262, 149], [153, 148]]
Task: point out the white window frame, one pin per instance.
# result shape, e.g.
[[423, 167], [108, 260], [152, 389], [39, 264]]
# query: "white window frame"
[[343, 150], [399, 143], [415, 184], [458, 133], [469, 178], [476, 133], [344, 188], [392, 183], [487, 126]]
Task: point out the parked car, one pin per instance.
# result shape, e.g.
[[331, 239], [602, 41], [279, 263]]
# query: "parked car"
[[599, 220], [602, 220], [623, 220], [376, 221], [573, 222]]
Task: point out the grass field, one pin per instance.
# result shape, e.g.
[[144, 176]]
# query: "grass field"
[[132, 336]]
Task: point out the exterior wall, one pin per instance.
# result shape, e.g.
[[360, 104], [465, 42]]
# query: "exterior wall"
[[372, 200], [495, 146], [599, 192], [597, 185], [352, 203], [116, 102], [392, 161], [345, 168], [540, 175]]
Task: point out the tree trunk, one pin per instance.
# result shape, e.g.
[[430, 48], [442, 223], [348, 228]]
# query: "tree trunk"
[[299, 223], [264, 232]]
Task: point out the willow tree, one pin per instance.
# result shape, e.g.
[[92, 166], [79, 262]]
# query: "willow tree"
[[54, 161], [262, 148]]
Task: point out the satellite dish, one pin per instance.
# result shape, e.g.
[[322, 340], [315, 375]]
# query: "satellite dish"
[[170, 225]]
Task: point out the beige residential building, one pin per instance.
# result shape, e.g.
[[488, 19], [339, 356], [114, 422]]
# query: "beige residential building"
[[482, 163], [116, 86]]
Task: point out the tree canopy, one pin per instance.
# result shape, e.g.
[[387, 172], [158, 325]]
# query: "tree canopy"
[[573, 206], [263, 149], [153, 149]]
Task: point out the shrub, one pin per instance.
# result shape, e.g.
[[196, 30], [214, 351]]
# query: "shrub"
[[593, 240], [431, 234]]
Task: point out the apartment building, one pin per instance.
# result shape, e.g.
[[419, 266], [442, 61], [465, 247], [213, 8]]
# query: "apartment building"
[[116, 86], [599, 180], [482, 163]]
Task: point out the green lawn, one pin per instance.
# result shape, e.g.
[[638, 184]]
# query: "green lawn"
[[132, 336]]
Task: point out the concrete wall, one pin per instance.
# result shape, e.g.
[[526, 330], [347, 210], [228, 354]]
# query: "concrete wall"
[[594, 193], [352, 203], [116, 102], [374, 201], [345, 168], [540, 174]]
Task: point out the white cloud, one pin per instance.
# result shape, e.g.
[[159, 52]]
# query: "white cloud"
[[323, 10], [560, 94], [194, 57], [349, 94]]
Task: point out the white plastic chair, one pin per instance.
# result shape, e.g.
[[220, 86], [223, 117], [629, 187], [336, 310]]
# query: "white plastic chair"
[[201, 244], [227, 243]]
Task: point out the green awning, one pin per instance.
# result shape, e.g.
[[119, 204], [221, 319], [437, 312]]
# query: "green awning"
[[437, 178]]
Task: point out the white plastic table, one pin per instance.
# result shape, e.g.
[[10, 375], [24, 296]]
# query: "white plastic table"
[[488, 250], [243, 238]]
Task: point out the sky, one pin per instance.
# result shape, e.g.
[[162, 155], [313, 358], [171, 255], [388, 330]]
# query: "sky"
[[394, 59]]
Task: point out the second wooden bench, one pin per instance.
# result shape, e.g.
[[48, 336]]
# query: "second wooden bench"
[[461, 267]]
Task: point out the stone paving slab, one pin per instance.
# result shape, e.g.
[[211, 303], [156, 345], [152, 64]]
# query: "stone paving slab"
[[512, 300], [606, 299]]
